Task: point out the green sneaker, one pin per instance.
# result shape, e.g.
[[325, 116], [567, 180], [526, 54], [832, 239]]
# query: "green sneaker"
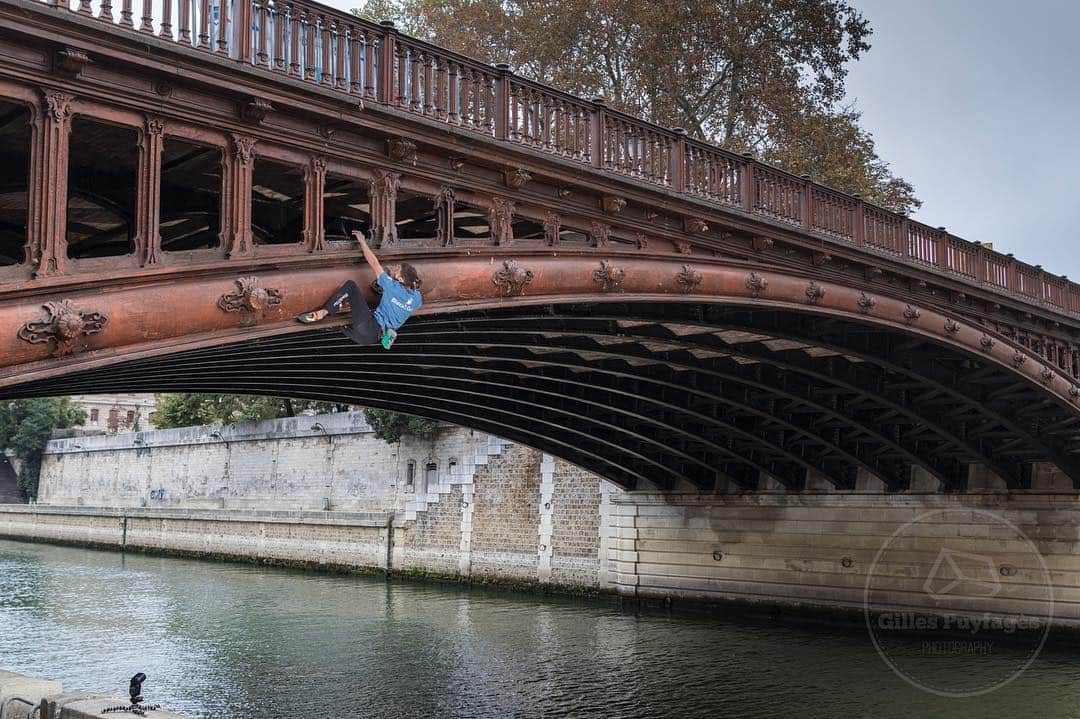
[[387, 338]]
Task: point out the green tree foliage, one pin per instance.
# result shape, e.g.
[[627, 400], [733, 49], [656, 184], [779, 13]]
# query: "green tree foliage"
[[188, 409], [765, 76], [392, 426], [25, 426]]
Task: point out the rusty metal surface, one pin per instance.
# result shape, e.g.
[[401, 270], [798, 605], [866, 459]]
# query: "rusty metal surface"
[[150, 314]]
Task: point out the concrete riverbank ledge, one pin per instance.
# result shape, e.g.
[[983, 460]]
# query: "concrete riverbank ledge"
[[20, 695], [23, 697]]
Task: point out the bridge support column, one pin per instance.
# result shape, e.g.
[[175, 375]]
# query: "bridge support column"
[[314, 182], [818, 482], [147, 221], [50, 237], [384, 188], [236, 202], [981, 479], [768, 483], [1047, 477]]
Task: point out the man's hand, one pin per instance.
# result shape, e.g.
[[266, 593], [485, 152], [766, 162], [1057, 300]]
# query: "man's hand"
[[368, 254]]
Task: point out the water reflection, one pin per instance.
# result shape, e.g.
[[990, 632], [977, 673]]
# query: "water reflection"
[[240, 640]]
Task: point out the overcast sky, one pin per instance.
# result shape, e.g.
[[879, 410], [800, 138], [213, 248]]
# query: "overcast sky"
[[977, 103]]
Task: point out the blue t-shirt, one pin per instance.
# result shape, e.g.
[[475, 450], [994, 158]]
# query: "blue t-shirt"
[[397, 303]]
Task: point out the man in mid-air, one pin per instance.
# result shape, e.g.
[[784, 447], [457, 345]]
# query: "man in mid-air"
[[400, 298]]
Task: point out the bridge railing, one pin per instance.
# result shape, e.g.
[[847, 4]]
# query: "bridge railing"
[[883, 230], [339, 51], [635, 148], [713, 174], [548, 120]]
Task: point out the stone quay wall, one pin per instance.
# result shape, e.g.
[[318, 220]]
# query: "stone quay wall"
[[324, 490], [805, 551], [330, 461], [824, 550], [503, 512]]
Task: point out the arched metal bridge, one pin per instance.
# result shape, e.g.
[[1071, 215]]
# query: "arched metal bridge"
[[651, 308]]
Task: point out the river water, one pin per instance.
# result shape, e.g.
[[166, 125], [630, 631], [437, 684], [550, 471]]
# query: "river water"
[[236, 640]]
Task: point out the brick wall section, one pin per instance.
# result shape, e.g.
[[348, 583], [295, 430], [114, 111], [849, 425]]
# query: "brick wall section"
[[506, 514], [432, 543], [575, 526]]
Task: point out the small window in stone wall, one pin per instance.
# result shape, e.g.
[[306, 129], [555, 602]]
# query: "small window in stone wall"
[[93, 415], [431, 476], [451, 465], [410, 475]]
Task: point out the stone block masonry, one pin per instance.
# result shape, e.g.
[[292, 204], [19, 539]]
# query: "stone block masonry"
[[324, 491], [310, 463], [337, 539], [791, 550], [505, 516], [432, 542]]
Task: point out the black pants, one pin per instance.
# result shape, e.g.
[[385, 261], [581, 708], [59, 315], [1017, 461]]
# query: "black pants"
[[365, 330]]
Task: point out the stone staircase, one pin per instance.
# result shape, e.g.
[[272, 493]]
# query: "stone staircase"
[[9, 487], [461, 475]]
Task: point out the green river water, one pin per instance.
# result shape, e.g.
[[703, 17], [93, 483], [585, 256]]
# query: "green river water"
[[236, 640]]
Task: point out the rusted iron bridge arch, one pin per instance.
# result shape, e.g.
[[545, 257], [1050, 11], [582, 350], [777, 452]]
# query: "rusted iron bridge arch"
[[647, 306]]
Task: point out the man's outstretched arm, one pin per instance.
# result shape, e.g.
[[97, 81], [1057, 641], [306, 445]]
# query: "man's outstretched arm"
[[369, 255]]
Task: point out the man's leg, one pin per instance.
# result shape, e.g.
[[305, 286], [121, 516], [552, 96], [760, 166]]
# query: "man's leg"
[[365, 330], [346, 293]]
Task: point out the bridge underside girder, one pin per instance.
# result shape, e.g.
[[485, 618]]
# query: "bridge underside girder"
[[661, 394]]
